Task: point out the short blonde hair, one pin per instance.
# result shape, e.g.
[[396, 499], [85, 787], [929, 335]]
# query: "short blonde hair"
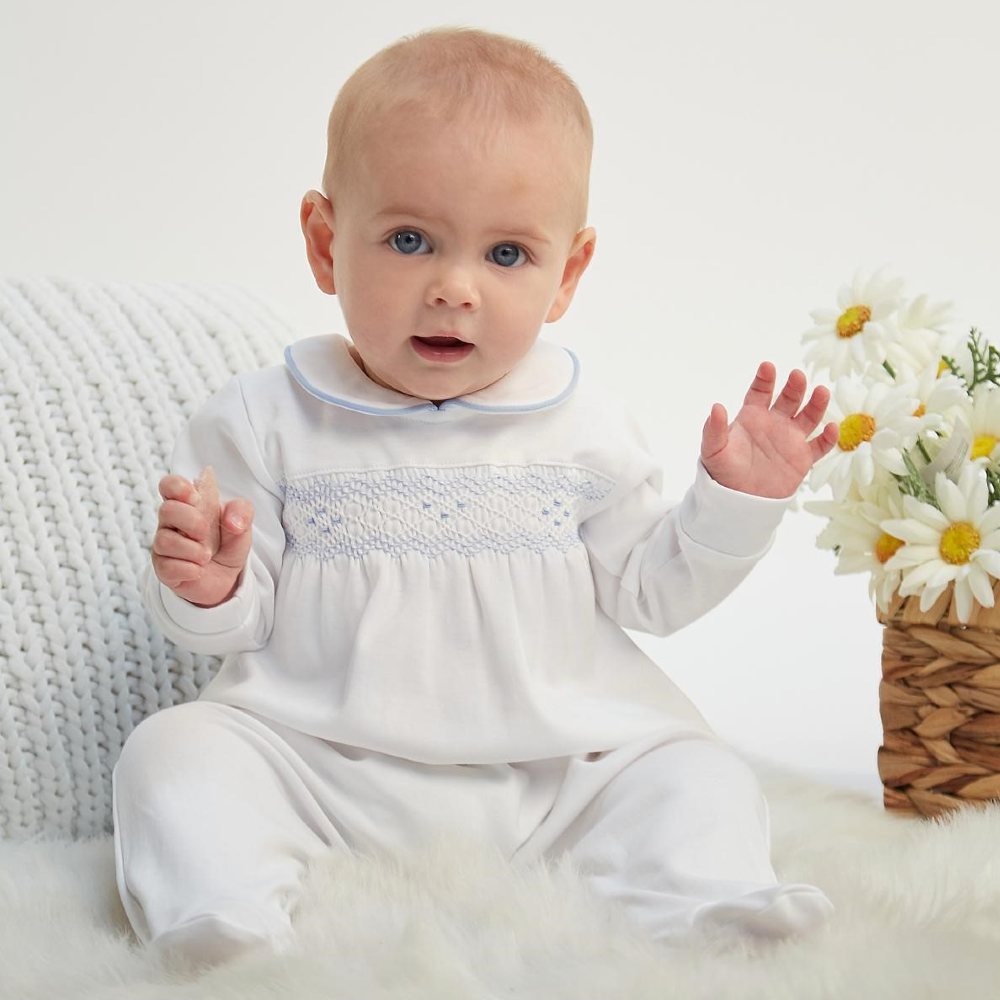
[[457, 73]]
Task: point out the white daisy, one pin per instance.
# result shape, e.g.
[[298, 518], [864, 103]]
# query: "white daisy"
[[960, 543], [876, 425], [846, 339], [919, 335], [854, 532], [984, 424], [940, 396]]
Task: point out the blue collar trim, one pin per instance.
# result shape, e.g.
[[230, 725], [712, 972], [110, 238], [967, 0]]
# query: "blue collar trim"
[[426, 407], [526, 407], [348, 404]]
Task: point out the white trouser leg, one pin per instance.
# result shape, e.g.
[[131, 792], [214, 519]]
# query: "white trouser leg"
[[218, 813], [680, 837], [214, 826]]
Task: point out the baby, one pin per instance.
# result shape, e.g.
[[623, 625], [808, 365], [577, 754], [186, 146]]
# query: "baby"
[[431, 538]]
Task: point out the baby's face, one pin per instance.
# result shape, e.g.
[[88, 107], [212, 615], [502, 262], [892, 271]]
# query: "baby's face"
[[450, 251]]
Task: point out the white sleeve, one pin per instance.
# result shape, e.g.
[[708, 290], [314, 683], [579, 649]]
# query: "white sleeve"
[[221, 435], [658, 567]]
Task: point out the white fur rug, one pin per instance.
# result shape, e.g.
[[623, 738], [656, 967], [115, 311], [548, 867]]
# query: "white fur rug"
[[918, 916]]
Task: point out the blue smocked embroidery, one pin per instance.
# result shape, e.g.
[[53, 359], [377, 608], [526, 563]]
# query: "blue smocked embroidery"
[[431, 511]]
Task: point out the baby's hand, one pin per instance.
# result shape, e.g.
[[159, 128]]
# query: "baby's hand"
[[200, 549], [766, 451]]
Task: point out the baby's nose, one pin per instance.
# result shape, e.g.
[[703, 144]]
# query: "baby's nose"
[[453, 286]]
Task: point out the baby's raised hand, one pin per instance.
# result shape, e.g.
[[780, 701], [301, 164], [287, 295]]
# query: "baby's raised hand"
[[766, 450], [200, 547]]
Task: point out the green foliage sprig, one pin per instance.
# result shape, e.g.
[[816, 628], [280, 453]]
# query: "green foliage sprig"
[[985, 363], [912, 484], [993, 485]]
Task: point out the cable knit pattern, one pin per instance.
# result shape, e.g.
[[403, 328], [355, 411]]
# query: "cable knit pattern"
[[96, 381]]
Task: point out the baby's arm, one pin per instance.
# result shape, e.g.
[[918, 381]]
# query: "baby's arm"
[[223, 603], [658, 566], [200, 548]]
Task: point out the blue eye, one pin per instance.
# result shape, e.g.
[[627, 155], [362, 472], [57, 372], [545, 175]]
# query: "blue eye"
[[507, 255], [408, 241]]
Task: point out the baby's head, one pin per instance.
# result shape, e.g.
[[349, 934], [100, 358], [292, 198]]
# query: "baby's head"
[[452, 221]]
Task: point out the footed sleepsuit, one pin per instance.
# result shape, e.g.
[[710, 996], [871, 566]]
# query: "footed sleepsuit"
[[428, 639]]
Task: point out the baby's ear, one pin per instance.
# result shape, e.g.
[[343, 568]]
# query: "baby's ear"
[[316, 218], [579, 257]]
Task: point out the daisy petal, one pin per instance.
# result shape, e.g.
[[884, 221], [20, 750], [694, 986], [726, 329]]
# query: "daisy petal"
[[853, 562], [980, 585], [990, 521], [989, 559], [943, 575], [953, 505], [925, 513], [824, 316], [918, 577], [963, 600], [911, 531], [928, 597]]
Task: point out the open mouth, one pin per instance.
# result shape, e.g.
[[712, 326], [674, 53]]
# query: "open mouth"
[[441, 348]]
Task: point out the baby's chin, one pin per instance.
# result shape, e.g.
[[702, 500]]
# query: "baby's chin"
[[437, 391], [429, 387]]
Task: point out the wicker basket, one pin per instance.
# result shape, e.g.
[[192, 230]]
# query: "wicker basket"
[[940, 706]]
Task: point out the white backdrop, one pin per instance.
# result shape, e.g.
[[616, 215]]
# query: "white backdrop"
[[749, 156]]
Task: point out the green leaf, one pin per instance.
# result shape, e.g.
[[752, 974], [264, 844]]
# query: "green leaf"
[[912, 484], [985, 362], [993, 485], [952, 366]]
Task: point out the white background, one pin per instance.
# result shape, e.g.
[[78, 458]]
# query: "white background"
[[749, 157]]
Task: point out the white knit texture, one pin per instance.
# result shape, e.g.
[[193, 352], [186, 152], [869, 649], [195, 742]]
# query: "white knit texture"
[[96, 381]]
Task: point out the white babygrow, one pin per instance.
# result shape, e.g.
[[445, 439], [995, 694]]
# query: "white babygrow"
[[448, 584]]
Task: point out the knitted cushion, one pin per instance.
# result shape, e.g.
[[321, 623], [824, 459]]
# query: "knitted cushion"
[[96, 380]]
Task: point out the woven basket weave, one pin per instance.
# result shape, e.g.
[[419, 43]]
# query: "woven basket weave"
[[940, 706]]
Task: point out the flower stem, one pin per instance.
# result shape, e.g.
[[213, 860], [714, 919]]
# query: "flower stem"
[[993, 486], [889, 368]]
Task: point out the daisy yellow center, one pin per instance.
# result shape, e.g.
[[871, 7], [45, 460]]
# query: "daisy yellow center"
[[920, 410], [958, 543], [983, 446], [855, 429], [942, 367], [886, 547], [852, 321]]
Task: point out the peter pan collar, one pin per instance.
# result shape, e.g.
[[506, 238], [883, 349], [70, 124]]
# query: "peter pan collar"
[[323, 366]]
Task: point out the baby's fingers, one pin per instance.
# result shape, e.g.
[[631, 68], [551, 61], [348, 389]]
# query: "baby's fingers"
[[814, 411], [235, 535], [762, 388], [175, 572], [824, 443], [172, 544], [175, 487], [715, 433], [178, 516], [790, 398], [237, 516], [206, 499]]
